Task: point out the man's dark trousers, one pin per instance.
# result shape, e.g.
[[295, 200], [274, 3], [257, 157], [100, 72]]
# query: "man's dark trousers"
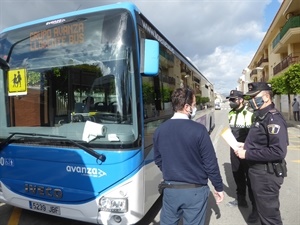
[[189, 203]]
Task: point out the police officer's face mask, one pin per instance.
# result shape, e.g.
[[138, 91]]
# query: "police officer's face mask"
[[233, 103], [256, 102]]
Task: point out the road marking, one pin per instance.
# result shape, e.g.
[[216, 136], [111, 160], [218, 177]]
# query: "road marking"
[[293, 148], [296, 161], [15, 216], [217, 136]]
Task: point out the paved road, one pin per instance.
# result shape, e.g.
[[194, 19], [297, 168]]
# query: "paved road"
[[216, 214]]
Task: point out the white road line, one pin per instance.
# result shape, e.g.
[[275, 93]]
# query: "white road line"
[[218, 135]]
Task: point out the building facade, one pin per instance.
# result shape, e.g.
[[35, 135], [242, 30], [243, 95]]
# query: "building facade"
[[279, 49]]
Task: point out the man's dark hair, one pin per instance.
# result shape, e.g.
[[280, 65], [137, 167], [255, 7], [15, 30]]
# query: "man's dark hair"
[[180, 97]]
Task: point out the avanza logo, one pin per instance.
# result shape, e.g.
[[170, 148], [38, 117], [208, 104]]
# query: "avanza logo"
[[86, 171]]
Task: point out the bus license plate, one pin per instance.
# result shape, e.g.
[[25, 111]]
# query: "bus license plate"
[[41, 207]]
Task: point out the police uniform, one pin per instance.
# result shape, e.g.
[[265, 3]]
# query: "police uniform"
[[266, 148], [240, 121]]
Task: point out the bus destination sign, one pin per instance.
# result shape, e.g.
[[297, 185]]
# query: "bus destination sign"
[[68, 34]]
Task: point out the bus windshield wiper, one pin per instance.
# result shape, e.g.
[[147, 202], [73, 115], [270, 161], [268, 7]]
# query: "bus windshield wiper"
[[90, 151], [8, 139]]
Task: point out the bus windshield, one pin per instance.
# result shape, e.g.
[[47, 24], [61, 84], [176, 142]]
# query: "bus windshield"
[[68, 71]]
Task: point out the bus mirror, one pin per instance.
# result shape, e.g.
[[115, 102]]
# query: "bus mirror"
[[3, 64], [149, 57]]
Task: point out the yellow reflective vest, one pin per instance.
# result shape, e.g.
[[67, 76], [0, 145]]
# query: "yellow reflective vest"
[[240, 121]]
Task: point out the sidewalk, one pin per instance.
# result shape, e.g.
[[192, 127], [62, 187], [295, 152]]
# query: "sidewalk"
[[291, 122]]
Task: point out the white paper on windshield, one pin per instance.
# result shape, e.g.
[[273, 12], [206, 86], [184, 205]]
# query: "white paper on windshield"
[[92, 131], [230, 139]]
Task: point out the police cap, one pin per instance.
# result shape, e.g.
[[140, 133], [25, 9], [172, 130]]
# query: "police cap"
[[235, 94], [256, 87]]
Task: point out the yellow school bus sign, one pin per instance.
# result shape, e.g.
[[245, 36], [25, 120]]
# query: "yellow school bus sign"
[[17, 82]]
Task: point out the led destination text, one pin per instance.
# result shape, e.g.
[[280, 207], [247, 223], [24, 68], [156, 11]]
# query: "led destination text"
[[57, 36]]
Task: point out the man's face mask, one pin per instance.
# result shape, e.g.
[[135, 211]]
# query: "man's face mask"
[[256, 102], [193, 112]]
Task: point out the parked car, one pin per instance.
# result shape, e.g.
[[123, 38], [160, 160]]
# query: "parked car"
[[217, 107]]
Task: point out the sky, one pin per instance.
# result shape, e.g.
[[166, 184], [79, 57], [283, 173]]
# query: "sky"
[[219, 36]]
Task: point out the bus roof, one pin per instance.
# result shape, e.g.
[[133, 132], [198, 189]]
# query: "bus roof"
[[126, 5], [179, 54]]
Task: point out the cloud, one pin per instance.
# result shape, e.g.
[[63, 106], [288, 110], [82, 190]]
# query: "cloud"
[[223, 67], [219, 36]]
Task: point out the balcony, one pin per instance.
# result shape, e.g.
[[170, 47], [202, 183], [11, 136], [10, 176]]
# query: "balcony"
[[285, 63], [253, 73], [262, 62], [288, 34]]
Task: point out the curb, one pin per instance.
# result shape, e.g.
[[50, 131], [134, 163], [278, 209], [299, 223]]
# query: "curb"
[[291, 124]]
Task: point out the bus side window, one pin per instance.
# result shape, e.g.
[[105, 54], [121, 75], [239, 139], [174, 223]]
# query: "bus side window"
[[79, 107]]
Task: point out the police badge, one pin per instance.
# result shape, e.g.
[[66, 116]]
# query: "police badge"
[[273, 128]]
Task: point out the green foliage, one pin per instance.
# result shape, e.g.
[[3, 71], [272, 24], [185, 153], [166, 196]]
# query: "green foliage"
[[167, 94], [198, 100], [204, 100], [247, 97], [33, 78], [278, 85], [293, 78], [288, 82], [148, 93]]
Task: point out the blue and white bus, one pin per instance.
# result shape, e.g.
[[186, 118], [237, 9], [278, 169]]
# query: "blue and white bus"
[[81, 94]]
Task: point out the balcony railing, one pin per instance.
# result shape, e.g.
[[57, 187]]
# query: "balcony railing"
[[286, 62], [253, 73], [291, 23], [261, 61]]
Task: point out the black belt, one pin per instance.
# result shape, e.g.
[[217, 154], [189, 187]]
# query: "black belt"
[[259, 166], [182, 186], [277, 168]]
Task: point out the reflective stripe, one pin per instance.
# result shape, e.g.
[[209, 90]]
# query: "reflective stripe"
[[242, 119]]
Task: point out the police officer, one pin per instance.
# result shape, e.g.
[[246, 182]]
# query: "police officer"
[[265, 149], [240, 120]]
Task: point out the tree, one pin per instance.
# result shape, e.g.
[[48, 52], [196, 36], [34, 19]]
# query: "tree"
[[277, 85], [167, 93], [204, 100], [288, 83], [201, 100], [198, 100], [148, 93], [293, 78]]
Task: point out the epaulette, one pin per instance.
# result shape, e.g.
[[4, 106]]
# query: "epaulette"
[[273, 111]]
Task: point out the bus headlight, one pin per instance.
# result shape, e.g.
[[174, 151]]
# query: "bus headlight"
[[113, 204]]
